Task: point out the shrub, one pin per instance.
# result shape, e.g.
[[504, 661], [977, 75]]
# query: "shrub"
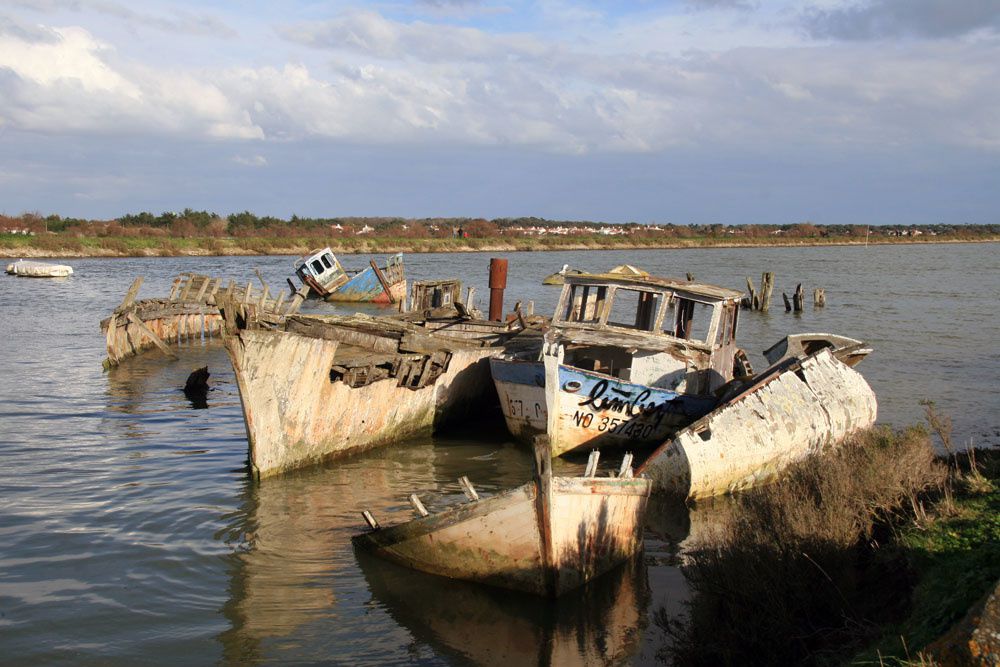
[[795, 573]]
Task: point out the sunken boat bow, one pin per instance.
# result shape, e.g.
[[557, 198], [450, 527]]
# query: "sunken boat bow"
[[546, 537], [315, 387]]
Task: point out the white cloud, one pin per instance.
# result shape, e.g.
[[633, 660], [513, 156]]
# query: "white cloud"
[[74, 82], [387, 81]]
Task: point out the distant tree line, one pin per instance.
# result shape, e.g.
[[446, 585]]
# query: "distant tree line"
[[190, 223]]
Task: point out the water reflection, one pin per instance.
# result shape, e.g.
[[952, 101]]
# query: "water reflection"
[[294, 574], [601, 623]]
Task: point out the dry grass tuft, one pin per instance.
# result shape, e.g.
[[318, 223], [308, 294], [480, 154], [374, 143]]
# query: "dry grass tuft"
[[796, 575]]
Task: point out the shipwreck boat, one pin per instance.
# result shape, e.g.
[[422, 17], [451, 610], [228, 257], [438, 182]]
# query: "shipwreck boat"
[[547, 537], [801, 404], [327, 279], [315, 387], [629, 359], [30, 269]]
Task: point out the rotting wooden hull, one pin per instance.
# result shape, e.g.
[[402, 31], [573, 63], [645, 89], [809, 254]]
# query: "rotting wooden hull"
[[365, 286], [171, 323], [373, 284], [591, 409], [296, 415], [544, 539], [795, 409]]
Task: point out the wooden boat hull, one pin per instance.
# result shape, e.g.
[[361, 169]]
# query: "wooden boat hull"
[[537, 538], [365, 286], [590, 409], [296, 414], [792, 410]]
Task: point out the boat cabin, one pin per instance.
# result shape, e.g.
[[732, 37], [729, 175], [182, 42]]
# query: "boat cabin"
[[322, 271], [658, 332]]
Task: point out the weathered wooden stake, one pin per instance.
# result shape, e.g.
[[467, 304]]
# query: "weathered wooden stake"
[[467, 488], [766, 287], [417, 505], [819, 297], [626, 468], [788, 303], [591, 470], [370, 520], [690, 277], [798, 299]]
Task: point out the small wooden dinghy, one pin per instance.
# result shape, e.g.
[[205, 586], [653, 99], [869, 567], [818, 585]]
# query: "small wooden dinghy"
[[30, 269], [546, 537]]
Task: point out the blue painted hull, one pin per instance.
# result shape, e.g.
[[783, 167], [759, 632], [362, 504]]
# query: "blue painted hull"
[[591, 409]]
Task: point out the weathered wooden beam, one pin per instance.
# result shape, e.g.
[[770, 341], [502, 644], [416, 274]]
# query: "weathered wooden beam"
[[591, 470], [381, 278], [152, 336], [130, 295], [370, 520], [819, 297]]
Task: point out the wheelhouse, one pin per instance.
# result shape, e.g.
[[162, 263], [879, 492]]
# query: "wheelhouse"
[[654, 331]]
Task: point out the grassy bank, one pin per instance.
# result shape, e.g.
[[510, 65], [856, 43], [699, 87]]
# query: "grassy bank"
[[866, 554], [63, 245]]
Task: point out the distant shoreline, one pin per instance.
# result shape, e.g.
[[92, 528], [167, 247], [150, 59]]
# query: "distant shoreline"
[[122, 247]]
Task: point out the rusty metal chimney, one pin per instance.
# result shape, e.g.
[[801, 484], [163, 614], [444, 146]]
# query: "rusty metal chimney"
[[498, 283]]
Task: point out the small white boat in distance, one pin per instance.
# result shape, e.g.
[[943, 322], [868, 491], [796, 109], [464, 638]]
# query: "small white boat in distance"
[[30, 269]]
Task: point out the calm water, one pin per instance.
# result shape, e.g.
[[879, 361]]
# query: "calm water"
[[130, 534]]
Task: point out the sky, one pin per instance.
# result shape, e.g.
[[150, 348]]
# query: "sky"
[[687, 112]]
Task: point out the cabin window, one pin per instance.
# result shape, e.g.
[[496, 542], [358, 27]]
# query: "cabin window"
[[317, 267], [728, 322], [326, 262], [692, 319], [585, 303], [634, 309]]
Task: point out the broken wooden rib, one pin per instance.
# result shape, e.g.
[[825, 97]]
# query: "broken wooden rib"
[[315, 387], [546, 537], [793, 409], [189, 312]]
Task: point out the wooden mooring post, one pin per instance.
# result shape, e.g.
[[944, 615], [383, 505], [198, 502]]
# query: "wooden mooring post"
[[819, 297], [797, 301], [760, 299]]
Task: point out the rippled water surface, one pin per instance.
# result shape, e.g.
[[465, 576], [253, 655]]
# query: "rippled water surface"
[[129, 532]]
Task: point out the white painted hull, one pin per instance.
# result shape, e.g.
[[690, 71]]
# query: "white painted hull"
[[778, 421], [295, 415], [579, 529]]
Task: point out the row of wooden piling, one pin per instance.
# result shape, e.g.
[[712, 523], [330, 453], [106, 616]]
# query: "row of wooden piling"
[[760, 298]]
